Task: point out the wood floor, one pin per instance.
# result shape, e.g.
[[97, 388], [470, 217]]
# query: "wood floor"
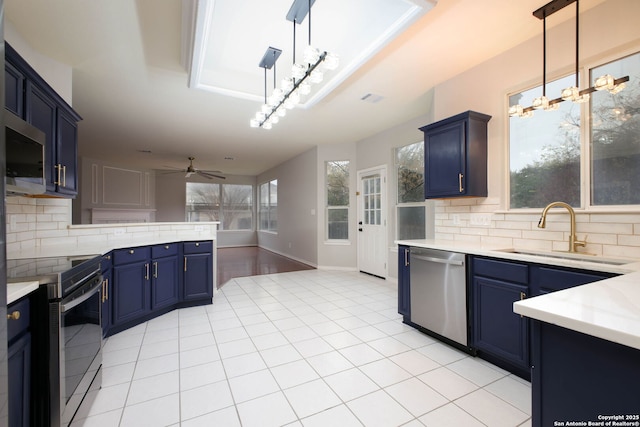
[[253, 261]]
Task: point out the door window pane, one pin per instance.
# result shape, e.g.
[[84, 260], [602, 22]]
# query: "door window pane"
[[615, 136]]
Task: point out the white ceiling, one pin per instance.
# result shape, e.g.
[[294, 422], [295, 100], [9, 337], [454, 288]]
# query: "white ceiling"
[[132, 89]]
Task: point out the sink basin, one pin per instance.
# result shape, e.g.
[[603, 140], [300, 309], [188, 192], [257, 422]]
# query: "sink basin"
[[569, 255]]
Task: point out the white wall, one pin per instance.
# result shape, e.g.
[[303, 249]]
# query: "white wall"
[[56, 74], [297, 208]]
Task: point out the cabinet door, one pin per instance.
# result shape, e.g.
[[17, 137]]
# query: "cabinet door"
[[13, 90], [19, 381], [497, 329], [130, 291], [41, 112], [164, 283], [107, 285], [404, 297], [444, 153], [198, 276], [67, 154]]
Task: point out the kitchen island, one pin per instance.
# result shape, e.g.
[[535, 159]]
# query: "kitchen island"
[[584, 340]]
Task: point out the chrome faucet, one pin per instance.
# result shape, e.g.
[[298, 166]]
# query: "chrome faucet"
[[573, 242]]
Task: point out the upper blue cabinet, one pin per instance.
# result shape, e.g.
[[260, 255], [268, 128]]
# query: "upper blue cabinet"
[[455, 156], [31, 98]]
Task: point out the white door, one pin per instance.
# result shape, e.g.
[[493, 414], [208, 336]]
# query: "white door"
[[372, 221]]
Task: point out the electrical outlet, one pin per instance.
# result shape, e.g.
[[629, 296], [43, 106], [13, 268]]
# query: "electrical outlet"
[[456, 219], [480, 219], [118, 231], [198, 228]]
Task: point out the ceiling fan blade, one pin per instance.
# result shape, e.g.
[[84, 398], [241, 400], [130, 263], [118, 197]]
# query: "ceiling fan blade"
[[210, 175], [175, 171], [188, 174]]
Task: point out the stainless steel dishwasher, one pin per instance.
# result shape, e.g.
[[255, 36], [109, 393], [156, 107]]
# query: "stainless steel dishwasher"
[[439, 293]]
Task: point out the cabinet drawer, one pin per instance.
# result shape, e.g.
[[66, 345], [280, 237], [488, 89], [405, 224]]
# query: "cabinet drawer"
[[549, 279], [125, 256], [16, 327], [198, 247], [159, 251], [504, 270]]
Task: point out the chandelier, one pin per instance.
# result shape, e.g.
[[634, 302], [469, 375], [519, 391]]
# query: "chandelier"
[[573, 93], [303, 74]]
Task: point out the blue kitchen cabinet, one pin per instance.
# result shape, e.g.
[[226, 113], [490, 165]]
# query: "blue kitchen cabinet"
[[164, 278], [131, 280], [500, 335], [31, 98], [105, 295], [455, 156], [404, 295], [545, 279], [197, 271], [67, 153], [578, 377], [14, 89], [19, 362]]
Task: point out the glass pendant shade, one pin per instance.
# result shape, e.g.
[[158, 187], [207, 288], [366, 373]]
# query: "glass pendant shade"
[[298, 71], [331, 62], [542, 102], [266, 125], [311, 55], [604, 82], [281, 112], [254, 123], [286, 84], [515, 110], [316, 76], [304, 88]]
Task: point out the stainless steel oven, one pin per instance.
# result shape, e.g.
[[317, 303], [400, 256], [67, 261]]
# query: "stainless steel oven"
[[73, 342]]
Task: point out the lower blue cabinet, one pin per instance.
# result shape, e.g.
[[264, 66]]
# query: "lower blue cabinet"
[[404, 295], [19, 363], [148, 281], [497, 329], [198, 271]]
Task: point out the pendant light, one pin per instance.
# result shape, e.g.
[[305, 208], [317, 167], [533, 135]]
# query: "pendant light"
[[573, 93], [310, 70]]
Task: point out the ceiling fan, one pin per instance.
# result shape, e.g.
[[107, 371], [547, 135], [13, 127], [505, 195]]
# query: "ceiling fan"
[[191, 170]]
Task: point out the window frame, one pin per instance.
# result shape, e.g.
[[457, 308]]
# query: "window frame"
[[400, 205], [585, 138], [329, 208], [220, 210], [272, 183]]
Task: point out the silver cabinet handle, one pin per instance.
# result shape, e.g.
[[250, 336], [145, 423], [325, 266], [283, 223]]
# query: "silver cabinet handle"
[[155, 269], [146, 274], [460, 176]]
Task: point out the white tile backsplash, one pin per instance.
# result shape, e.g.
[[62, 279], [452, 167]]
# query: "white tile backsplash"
[[34, 225], [609, 234]]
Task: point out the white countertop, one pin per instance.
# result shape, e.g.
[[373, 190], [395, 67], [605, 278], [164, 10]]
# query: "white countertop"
[[607, 309], [15, 291]]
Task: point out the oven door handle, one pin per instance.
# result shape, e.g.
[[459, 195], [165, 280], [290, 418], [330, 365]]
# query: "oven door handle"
[[77, 301]]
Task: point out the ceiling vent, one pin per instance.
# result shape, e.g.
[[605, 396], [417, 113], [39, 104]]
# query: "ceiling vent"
[[372, 98]]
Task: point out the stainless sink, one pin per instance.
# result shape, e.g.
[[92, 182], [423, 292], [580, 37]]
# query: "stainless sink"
[[569, 255]]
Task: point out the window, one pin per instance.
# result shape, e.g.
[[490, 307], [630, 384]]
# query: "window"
[[337, 175], [268, 211], [615, 137], [544, 153], [410, 204], [549, 161], [231, 204]]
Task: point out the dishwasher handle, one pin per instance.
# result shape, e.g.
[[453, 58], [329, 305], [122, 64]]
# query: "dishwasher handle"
[[438, 260]]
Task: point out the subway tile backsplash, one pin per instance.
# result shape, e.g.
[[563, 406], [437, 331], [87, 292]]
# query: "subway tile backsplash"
[[36, 224], [607, 234], [33, 223]]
